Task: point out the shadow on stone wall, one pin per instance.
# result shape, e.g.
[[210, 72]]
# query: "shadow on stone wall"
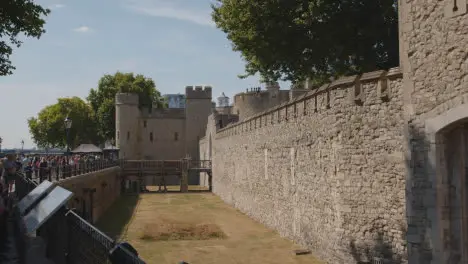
[[418, 183], [379, 251], [118, 216]]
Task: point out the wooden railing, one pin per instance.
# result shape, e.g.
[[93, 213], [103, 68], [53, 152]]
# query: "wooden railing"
[[156, 165], [60, 172], [150, 165], [199, 164], [182, 168]]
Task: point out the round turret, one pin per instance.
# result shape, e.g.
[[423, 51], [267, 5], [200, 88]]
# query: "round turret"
[[126, 123], [248, 104], [272, 86]]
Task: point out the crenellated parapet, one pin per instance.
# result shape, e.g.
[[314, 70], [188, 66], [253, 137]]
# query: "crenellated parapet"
[[198, 92], [126, 98], [365, 89], [163, 113]]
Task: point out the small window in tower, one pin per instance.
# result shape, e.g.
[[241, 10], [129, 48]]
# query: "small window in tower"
[[118, 135], [176, 136], [128, 135], [144, 123], [151, 136]]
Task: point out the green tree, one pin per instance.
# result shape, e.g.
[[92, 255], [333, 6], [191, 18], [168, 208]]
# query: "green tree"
[[48, 128], [317, 39], [102, 99], [18, 16]]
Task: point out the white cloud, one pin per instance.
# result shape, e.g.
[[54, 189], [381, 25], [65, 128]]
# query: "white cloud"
[[169, 9], [56, 6], [82, 29]]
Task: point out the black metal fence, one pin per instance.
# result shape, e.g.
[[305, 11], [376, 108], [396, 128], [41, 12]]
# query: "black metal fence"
[[58, 172], [72, 240], [93, 246]]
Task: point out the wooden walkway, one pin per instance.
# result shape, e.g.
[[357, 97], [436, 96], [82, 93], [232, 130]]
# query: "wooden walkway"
[[167, 168]]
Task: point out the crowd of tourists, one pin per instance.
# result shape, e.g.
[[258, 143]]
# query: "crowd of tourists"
[[41, 166]]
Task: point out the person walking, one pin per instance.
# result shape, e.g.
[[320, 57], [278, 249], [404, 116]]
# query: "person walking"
[[43, 168]]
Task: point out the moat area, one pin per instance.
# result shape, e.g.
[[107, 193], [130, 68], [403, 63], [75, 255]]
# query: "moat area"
[[196, 228]]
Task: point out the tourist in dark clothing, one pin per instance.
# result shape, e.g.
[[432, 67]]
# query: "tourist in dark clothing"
[[28, 170], [43, 168], [18, 163], [35, 166], [9, 166]]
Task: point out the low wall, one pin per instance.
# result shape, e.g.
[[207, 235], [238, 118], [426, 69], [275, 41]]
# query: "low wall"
[[326, 169], [94, 192]]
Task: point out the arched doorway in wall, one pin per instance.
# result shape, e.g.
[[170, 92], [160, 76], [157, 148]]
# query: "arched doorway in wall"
[[454, 206], [447, 135]]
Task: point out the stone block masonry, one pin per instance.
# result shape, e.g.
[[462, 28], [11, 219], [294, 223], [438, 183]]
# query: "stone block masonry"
[[94, 192], [326, 169]]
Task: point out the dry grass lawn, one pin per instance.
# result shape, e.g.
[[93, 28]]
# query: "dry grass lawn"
[[197, 228]]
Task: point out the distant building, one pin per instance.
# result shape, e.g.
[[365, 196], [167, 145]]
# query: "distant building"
[[223, 100], [162, 133], [175, 100]]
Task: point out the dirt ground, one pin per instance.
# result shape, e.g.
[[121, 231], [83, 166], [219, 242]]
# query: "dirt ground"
[[231, 237]]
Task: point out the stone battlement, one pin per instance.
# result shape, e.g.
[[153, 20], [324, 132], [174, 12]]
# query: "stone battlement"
[[198, 92], [241, 96], [126, 98], [371, 87], [163, 113], [316, 166], [368, 168], [161, 133]]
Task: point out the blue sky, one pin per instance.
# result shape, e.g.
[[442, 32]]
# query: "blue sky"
[[174, 42]]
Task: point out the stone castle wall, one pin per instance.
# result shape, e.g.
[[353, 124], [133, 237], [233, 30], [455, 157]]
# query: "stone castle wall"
[[103, 187], [434, 63], [162, 134], [326, 169]]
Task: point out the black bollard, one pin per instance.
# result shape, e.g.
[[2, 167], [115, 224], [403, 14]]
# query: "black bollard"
[[124, 253]]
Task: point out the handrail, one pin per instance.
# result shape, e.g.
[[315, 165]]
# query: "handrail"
[[91, 230], [167, 164], [58, 172], [76, 222]]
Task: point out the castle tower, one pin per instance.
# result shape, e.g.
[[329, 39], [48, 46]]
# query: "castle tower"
[[297, 89], [272, 86], [126, 125], [433, 39], [197, 109]]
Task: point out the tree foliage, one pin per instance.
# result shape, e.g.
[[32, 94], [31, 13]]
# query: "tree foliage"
[[48, 128], [18, 16], [102, 99], [296, 39], [93, 121]]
